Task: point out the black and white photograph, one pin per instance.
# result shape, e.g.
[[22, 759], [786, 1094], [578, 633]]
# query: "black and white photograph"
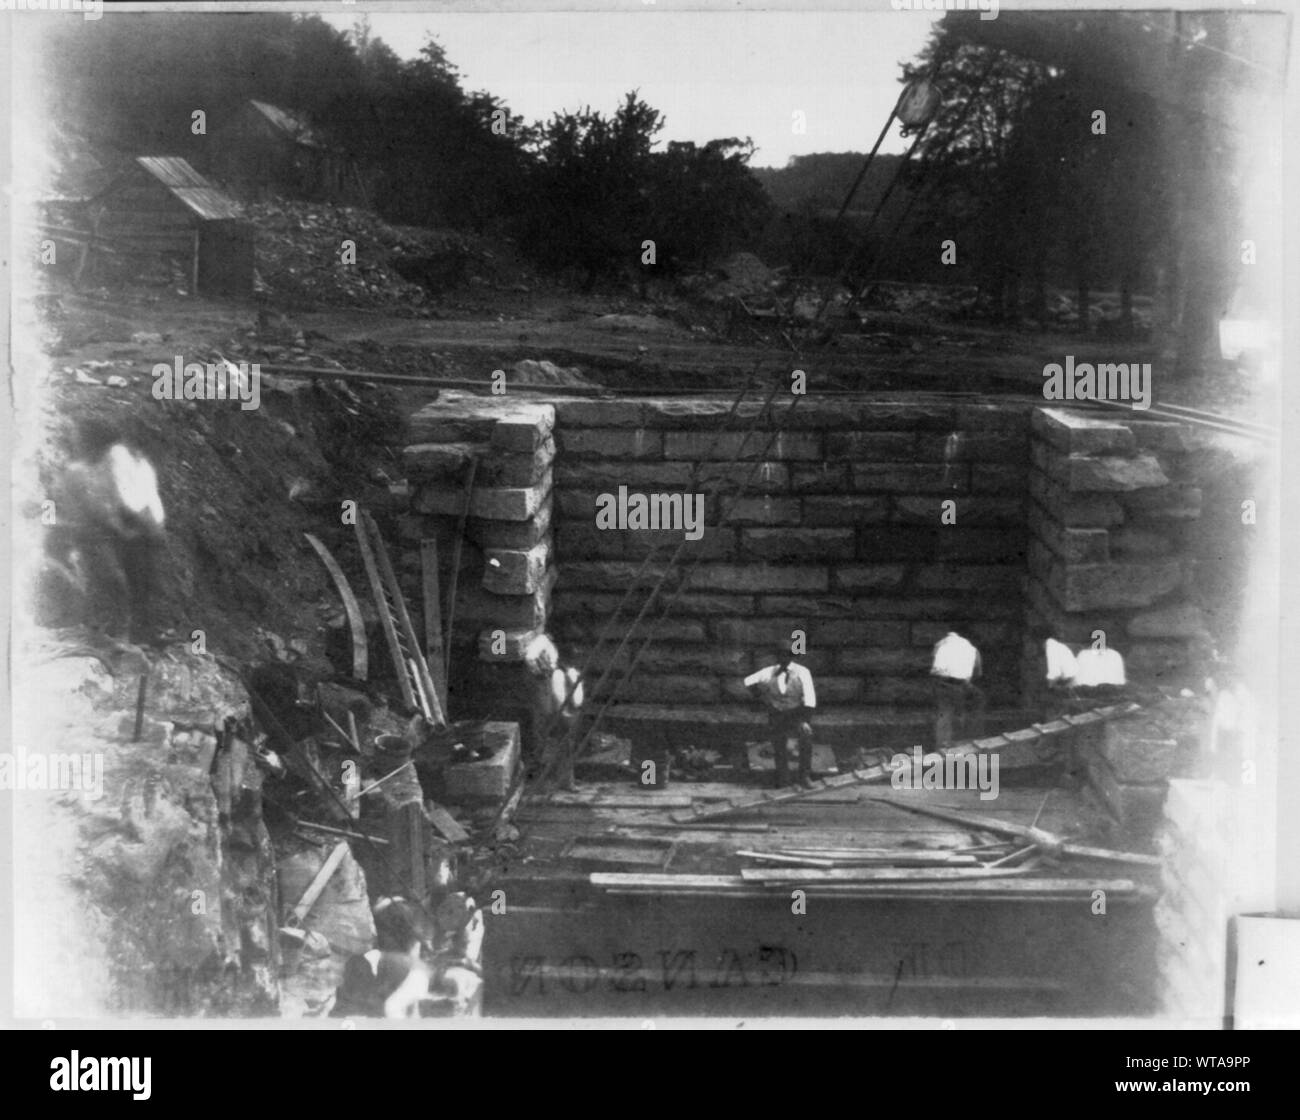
[[647, 513]]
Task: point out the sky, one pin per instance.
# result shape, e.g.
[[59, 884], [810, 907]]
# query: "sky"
[[710, 74]]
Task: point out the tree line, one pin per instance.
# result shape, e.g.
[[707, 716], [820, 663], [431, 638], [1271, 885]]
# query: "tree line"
[[1009, 170], [584, 192]]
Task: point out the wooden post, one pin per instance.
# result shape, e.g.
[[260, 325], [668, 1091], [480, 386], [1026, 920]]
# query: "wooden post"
[[433, 619], [455, 564]]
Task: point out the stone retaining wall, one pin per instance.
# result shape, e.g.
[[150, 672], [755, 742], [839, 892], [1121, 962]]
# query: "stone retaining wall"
[[1110, 504], [834, 519]]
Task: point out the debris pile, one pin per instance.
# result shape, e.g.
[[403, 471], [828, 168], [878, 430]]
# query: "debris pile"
[[330, 255]]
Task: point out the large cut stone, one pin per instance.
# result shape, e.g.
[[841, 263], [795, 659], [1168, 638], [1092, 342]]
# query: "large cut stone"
[[599, 414], [1077, 433], [1139, 751], [488, 779], [819, 510], [1113, 586], [516, 468], [796, 544], [513, 503], [1084, 511], [764, 511], [1074, 546], [945, 478], [605, 476], [966, 510], [444, 461], [1102, 473], [895, 661], [997, 478], [1128, 541], [733, 577], [990, 578], [505, 645], [511, 534], [611, 443], [1175, 503], [506, 423], [868, 577], [524, 429], [971, 447], [724, 446], [775, 632], [1182, 621], [715, 544], [876, 446], [515, 571]]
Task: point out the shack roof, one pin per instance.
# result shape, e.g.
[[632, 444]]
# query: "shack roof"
[[189, 187], [290, 124]]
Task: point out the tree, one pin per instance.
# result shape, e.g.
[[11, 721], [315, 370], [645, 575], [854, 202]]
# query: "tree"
[[704, 201], [590, 192]]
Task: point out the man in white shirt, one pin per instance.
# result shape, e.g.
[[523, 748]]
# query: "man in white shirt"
[[959, 703], [787, 690]]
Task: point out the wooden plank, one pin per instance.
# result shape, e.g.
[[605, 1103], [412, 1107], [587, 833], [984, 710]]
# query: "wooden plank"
[[639, 879], [446, 824], [385, 615], [997, 885], [432, 595], [360, 652], [455, 563], [898, 859], [620, 850], [319, 883], [435, 711], [1107, 854], [778, 875], [773, 857], [649, 800], [415, 824]]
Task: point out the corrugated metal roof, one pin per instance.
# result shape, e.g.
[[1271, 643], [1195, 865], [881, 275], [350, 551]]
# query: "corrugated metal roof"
[[191, 188], [296, 128]]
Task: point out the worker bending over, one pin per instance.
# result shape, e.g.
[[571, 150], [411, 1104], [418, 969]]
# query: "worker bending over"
[[786, 688], [959, 702]]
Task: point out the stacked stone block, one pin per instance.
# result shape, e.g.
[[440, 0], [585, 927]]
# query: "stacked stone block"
[[1109, 507], [840, 533], [508, 570]]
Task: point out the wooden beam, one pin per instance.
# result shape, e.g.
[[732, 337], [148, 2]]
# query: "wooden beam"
[[360, 649], [455, 564], [432, 594], [792, 875], [446, 824], [319, 883], [385, 615]]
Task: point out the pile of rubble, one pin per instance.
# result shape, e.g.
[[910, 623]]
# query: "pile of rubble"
[[232, 861], [328, 255]]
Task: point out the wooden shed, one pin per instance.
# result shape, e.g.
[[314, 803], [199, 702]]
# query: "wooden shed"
[[162, 209], [263, 149]]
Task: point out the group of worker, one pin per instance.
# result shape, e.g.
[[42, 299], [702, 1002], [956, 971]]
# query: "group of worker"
[[787, 692]]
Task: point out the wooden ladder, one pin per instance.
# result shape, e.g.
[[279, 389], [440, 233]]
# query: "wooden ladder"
[[413, 677]]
